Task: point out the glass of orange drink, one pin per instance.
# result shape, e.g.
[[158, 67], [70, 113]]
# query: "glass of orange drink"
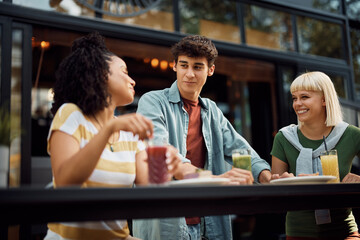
[[330, 165]]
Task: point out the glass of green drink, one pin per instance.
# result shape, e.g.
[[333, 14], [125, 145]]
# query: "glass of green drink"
[[242, 158]]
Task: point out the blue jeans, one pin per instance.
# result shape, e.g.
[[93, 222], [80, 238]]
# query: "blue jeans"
[[161, 229], [194, 232]]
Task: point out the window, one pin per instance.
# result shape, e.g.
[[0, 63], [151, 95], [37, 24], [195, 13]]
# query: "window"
[[353, 9], [15, 106], [215, 19], [70, 7], [340, 85], [160, 17], [287, 77], [320, 37], [268, 28], [332, 6], [355, 46], [350, 115], [0, 50]]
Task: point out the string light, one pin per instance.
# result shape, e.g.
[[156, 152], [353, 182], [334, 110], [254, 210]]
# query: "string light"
[[154, 62], [163, 65]]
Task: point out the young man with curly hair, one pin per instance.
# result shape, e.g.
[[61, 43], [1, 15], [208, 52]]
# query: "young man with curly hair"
[[204, 137]]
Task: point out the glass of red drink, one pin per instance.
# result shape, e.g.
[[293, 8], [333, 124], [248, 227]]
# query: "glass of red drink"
[[156, 151]]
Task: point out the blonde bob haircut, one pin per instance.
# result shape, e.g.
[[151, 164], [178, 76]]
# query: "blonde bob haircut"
[[319, 81]]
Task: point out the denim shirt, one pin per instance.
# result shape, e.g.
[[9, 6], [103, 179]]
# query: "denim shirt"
[[170, 119]]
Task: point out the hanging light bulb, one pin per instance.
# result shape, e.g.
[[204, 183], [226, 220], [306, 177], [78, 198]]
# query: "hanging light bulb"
[[163, 65], [44, 44], [154, 62]]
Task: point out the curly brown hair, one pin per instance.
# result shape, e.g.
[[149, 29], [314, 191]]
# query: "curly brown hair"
[[82, 76], [195, 46]]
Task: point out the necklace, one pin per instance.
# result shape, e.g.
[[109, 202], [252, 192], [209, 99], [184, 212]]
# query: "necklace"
[[113, 137]]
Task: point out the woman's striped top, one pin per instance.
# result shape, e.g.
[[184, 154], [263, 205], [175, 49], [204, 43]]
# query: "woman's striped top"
[[114, 169]]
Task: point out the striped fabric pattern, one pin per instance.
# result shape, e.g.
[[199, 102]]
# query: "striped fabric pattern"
[[114, 169]]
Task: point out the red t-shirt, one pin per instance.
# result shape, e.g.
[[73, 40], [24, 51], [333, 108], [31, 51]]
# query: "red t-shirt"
[[195, 144]]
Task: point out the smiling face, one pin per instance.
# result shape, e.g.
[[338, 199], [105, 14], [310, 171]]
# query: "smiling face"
[[309, 106], [191, 75], [120, 84]]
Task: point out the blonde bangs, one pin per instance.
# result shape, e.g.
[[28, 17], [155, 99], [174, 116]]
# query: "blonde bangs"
[[305, 82], [319, 81]]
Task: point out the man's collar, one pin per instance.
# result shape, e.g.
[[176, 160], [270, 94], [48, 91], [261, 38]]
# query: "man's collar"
[[174, 95]]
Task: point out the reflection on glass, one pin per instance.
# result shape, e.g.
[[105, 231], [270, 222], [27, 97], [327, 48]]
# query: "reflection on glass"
[[160, 17], [16, 69], [332, 6], [355, 47], [268, 28], [70, 7], [353, 9], [240, 107], [320, 38], [340, 85], [349, 115], [287, 76], [0, 50], [215, 19]]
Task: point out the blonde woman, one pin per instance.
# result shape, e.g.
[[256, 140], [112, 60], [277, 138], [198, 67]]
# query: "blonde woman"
[[296, 150]]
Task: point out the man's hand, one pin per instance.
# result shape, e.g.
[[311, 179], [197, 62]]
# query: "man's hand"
[[238, 176]]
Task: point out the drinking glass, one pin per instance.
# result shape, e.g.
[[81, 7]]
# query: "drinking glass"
[[242, 158], [330, 165], [156, 151]]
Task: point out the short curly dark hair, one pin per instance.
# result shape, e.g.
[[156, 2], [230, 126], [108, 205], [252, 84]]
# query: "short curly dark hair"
[[82, 76], [195, 46]]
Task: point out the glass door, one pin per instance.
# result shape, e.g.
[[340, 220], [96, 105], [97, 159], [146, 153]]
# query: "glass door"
[[15, 87], [15, 72]]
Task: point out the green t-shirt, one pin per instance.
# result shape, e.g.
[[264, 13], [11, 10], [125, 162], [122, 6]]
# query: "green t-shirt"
[[302, 223]]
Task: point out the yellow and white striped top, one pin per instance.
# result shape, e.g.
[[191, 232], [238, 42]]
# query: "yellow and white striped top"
[[114, 169]]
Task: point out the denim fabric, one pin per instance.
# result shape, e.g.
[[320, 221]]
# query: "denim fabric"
[[161, 229], [194, 232], [165, 109]]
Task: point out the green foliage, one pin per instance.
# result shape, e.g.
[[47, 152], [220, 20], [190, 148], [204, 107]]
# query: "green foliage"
[[5, 127], [8, 130]]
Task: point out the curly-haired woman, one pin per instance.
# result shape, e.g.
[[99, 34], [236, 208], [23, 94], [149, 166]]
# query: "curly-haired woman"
[[88, 145]]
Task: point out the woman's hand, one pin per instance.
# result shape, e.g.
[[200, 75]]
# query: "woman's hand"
[[135, 123], [238, 176], [283, 175], [351, 178]]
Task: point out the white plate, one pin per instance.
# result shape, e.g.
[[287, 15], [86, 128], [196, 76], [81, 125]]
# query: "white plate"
[[199, 181], [303, 180]]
